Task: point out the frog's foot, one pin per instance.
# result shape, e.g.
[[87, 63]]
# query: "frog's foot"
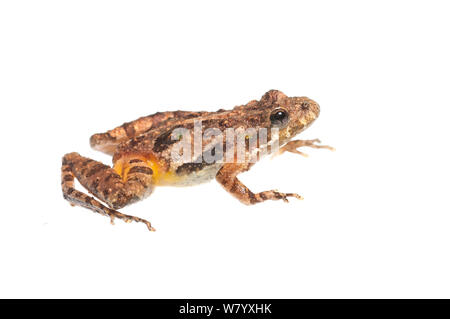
[[275, 195], [127, 218], [104, 183], [293, 146], [78, 198]]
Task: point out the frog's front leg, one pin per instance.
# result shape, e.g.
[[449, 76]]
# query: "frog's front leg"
[[292, 146], [104, 183], [227, 177]]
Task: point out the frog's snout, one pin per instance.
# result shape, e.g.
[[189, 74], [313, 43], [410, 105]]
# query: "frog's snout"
[[314, 108], [311, 107]]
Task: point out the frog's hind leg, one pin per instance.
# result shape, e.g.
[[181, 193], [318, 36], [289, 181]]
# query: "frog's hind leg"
[[104, 183], [108, 142]]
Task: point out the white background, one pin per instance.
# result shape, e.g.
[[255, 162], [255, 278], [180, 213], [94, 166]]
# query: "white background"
[[375, 220]]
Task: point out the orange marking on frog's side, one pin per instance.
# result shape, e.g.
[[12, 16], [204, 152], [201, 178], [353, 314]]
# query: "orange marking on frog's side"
[[160, 175]]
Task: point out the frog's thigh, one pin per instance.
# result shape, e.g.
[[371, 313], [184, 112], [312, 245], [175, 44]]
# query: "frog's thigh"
[[103, 182], [227, 177]]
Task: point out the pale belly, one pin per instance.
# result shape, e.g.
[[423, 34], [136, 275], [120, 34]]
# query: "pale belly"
[[193, 178]]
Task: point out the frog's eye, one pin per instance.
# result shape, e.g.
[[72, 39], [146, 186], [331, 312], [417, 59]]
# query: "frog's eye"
[[279, 118]]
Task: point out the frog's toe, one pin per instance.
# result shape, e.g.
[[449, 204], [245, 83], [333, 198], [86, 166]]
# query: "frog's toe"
[[276, 195], [285, 196]]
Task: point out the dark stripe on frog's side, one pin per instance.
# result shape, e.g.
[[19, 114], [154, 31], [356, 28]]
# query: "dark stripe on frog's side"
[[164, 140], [190, 167]]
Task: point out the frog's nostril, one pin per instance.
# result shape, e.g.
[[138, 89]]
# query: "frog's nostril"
[[314, 108]]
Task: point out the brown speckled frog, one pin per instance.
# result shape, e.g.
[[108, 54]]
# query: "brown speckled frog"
[[143, 153]]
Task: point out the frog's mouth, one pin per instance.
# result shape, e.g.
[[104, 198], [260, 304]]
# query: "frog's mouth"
[[302, 124]]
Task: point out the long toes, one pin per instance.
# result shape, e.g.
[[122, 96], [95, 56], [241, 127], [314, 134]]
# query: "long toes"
[[128, 218], [146, 222], [284, 196], [294, 195], [149, 226], [326, 147]]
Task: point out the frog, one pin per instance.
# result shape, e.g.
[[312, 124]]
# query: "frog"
[[143, 153]]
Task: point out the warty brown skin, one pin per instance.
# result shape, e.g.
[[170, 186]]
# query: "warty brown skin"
[[142, 152]]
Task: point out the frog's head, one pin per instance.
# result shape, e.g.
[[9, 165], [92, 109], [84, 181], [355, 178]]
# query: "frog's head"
[[290, 115]]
